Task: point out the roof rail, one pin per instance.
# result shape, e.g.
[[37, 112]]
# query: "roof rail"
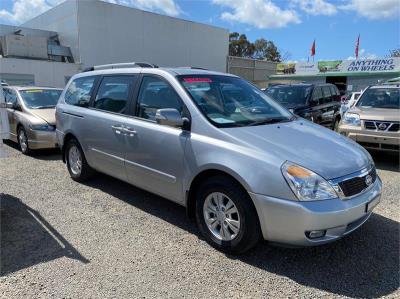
[[120, 65], [193, 68]]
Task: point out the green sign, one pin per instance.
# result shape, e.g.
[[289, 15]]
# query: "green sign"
[[329, 66]]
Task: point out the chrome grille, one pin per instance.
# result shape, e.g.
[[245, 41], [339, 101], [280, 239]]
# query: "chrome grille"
[[384, 126], [355, 183]]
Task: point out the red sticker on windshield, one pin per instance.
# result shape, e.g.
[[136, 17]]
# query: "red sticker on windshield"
[[197, 80]]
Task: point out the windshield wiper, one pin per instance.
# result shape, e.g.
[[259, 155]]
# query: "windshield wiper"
[[267, 121], [43, 107]]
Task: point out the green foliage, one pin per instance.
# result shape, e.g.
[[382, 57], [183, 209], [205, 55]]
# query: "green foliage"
[[261, 49], [394, 53]]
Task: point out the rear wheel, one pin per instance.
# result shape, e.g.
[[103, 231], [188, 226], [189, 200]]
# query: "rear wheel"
[[226, 216], [77, 165], [23, 141]]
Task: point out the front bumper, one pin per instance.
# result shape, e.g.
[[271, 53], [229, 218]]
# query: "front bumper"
[[287, 222], [386, 141], [42, 139]]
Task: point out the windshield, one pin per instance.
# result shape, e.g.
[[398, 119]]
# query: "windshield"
[[290, 96], [40, 98], [232, 102], [380, 98]]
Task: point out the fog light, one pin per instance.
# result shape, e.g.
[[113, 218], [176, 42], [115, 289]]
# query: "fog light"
[[315, 234]]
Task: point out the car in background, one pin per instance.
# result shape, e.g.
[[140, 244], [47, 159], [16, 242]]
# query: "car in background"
[[374, 121], [319, 103], [31, 116], [347, 104], [244, 167]]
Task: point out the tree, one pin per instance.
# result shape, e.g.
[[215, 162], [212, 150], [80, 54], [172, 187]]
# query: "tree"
[[394, 53], [239, 45], [267, 50]]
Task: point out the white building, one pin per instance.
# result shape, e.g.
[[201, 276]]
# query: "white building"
[[29, 56], [98, 32]]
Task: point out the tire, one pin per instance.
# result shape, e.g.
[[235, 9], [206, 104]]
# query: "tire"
[[23, 141], [229, 191], [78, 168], [336, 125]]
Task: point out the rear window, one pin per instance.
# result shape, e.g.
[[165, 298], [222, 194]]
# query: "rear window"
[[79, 91], [290, 95]]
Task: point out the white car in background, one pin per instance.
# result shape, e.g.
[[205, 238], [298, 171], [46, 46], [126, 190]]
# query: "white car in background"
[[346, 105]]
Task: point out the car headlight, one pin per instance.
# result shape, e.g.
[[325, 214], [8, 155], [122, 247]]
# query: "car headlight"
[[351, 119], [305, 184], [41, 127]]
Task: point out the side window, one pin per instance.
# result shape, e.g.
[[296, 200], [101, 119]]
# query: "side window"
[[155, 93], [10, 95], [317, 95], [113, 93], [79, 91], [327, 94]]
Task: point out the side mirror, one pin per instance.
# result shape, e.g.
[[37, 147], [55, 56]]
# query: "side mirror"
[[169, 117], [13, 106]]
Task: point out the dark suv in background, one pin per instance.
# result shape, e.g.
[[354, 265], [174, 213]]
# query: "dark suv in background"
[[319, 103]]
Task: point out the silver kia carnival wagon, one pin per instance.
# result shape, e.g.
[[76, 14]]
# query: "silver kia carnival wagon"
[[243, 166]]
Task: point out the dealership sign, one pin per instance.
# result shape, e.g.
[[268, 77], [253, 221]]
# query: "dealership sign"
[[342, 66], [371, 65]]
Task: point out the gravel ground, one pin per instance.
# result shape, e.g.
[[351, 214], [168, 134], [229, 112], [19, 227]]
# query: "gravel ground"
[[108, 239]]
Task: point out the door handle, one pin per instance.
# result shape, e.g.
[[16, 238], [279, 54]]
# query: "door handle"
[[117, 129], [129, 131]]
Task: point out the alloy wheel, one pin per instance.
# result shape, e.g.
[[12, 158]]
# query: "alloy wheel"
[[221, 216], [23, 142], [75, 160]]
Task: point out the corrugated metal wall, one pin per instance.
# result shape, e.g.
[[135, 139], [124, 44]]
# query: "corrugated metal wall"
[[256, 71]]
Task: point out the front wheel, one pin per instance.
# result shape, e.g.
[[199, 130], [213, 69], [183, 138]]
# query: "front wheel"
[[77, 165], [23, 141], [226, 216], [336, 125]]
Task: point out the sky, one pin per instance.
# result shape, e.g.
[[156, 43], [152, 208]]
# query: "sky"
[[291, 24]]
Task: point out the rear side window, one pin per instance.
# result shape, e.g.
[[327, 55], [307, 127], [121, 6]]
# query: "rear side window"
[[155, 94], [79, 91], [327, 94], [317, 95], [113, 93]]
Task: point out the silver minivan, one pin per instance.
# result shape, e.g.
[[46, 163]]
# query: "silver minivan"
[[244, 167]]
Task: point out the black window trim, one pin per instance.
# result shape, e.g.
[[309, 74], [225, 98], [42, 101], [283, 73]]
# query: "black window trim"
[[135, 103], [130, 94]]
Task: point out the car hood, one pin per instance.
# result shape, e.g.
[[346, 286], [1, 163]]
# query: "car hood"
[[48, 115], [383, 114], [309, 145]]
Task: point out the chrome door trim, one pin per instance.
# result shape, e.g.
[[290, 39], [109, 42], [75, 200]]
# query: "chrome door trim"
[[107, 154], [165, 176]]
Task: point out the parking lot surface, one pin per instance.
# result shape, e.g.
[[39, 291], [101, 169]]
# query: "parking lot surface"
[[106, 239]]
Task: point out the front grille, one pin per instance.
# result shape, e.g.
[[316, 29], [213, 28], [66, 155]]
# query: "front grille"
[[394, 128], [387, 126], [356, 185], [370, 125], [394, 147]]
